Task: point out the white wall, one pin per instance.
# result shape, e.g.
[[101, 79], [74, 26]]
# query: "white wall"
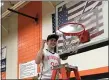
[[10, 40], [105, 18], [47, 10], [89, 60]]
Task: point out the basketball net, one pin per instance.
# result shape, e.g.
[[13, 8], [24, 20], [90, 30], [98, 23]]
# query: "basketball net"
[[69, 45], [69, 40]]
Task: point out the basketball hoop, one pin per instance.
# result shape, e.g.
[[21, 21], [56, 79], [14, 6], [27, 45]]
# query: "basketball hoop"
[[71, 34]]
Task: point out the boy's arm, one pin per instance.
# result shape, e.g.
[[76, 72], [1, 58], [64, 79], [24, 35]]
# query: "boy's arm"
[[40, 55]]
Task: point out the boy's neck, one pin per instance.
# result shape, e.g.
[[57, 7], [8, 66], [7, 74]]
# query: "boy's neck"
[[51, 49]]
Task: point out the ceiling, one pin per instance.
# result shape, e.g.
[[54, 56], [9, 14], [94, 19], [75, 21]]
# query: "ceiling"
[[8, 4]]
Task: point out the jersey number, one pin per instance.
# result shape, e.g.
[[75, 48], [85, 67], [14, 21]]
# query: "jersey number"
[[53, 64]]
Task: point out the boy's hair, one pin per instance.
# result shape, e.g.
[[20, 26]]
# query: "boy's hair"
[[52, 36]]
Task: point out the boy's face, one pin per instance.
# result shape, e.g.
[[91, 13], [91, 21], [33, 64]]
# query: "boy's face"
[[52, 42]]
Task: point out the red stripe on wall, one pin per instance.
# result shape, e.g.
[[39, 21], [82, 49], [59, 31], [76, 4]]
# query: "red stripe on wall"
[[29, 32], [92, 71]]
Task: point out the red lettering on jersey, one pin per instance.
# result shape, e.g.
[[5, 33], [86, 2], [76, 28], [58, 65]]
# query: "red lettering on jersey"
[[52, 57]]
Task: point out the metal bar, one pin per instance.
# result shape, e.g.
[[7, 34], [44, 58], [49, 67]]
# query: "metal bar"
[[22, 14]]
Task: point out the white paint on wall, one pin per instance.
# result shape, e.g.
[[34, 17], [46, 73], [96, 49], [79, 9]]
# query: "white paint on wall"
[[10, 40], [47, 11], [89, 60], [105, 18]]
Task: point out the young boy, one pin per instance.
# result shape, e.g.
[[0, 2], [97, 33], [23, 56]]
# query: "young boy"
[[48, 58]]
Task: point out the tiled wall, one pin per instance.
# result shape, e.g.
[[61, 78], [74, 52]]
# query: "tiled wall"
[[29, 32]]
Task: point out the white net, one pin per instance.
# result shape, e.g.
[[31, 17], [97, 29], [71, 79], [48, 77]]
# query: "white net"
[[70, 45], [67, 44]]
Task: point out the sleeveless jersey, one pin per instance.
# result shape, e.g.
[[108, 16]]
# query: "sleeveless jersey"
[[47, 64]]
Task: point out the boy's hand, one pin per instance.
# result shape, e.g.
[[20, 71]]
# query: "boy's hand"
[[43, 44]]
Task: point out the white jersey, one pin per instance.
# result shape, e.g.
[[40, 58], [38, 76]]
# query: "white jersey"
[[49, 61]]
